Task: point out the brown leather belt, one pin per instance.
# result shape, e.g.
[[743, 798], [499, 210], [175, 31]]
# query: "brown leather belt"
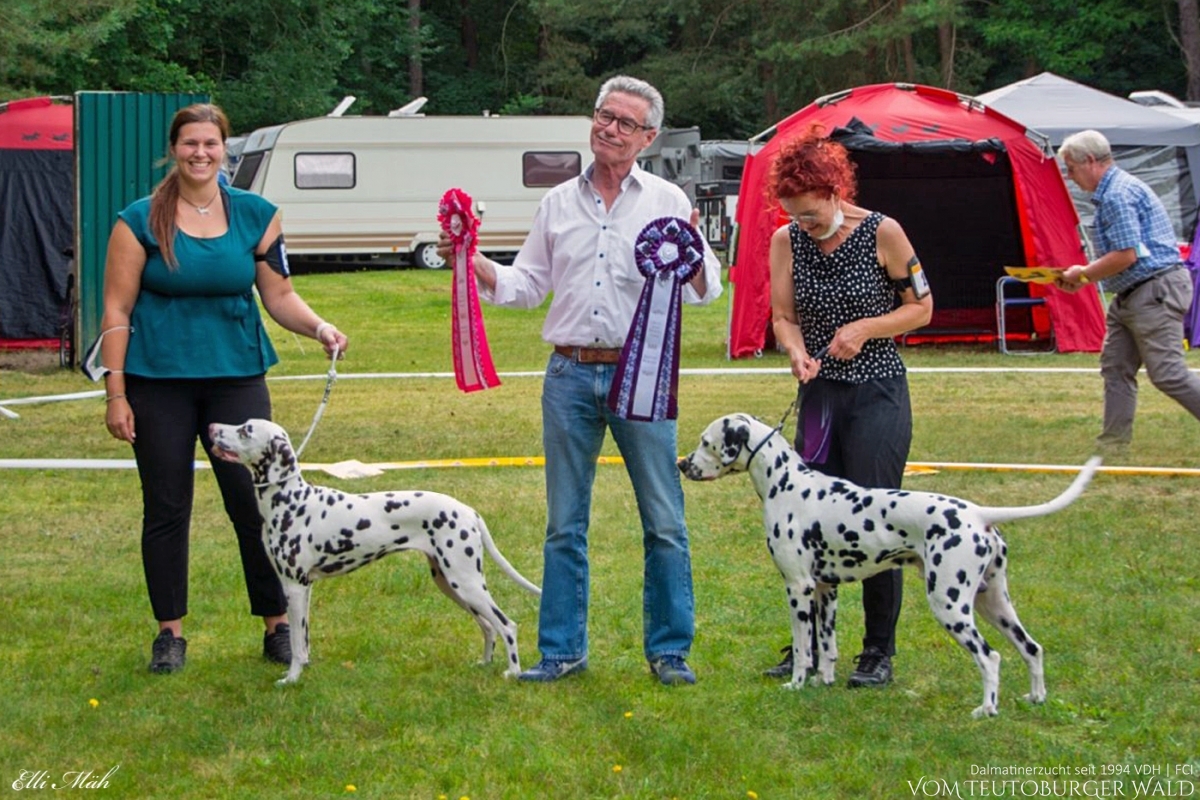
[[590, 355]]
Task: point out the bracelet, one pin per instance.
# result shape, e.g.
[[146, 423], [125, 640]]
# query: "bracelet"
[[320, 328], [114, 397]]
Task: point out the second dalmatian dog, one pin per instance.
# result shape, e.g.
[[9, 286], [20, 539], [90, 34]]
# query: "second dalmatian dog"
[[823, 531], [312, 532]]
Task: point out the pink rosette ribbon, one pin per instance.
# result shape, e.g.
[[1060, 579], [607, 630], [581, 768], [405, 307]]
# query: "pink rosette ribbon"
[[473, 369], [669, 252]]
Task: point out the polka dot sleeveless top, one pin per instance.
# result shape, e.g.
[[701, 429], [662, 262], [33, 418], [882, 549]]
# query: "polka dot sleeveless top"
[[835, 289]]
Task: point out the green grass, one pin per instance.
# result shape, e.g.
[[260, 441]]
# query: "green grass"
[[393, 702]]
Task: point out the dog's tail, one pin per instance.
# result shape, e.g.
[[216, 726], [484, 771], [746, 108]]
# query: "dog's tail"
[[499, 558], [1004, 514]]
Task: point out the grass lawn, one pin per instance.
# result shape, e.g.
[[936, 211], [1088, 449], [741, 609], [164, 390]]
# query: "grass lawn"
[[394, 705]]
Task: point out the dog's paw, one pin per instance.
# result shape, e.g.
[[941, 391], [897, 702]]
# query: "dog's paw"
[[1036, 699], [985, 711], [793, 686]]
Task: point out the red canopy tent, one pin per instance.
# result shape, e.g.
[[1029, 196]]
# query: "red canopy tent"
[[37, 218], [974, 190]]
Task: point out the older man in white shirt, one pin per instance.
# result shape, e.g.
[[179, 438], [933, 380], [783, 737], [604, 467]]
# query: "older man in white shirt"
[[581, 248]]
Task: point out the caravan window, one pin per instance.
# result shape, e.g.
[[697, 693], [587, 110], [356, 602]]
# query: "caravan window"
[[325, 170], [549, 169], [247, 168]]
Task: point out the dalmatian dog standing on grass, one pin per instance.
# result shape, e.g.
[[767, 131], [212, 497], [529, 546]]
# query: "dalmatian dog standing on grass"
[[823, 531], [312, 532]]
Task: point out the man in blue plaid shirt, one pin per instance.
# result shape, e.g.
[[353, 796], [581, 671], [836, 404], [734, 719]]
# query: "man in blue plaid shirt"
[[1140, 265]]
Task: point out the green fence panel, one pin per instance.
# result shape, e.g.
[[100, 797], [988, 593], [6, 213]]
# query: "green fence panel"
[[120, 152]]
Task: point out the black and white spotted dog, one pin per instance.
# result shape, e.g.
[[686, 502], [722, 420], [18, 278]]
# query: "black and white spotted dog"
[[312, 532], [823, 531]]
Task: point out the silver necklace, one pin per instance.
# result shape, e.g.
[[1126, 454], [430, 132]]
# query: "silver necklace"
[[202, 210]]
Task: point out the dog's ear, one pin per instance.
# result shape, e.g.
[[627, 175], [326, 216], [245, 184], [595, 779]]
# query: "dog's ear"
[[735, 437]]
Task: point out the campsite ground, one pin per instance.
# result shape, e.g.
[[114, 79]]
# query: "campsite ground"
[[31, 360]]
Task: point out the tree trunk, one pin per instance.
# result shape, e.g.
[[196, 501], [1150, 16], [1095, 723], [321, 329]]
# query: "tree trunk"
[[1189, 38], [947, 34], [416, 77], [470, 35]]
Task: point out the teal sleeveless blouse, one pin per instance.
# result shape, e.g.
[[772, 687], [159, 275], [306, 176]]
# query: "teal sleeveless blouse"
[[201, 320]]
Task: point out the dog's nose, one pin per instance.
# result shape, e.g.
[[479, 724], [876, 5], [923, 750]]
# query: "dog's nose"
[[683, 464]]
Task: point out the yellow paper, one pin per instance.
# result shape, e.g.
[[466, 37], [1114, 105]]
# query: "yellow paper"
[[1035, 274]]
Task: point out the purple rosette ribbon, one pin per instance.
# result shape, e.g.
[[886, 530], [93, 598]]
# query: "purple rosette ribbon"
[[669, 252]]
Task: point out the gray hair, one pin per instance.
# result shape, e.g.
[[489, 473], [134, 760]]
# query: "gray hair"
[[638, 88], [1079, 147]]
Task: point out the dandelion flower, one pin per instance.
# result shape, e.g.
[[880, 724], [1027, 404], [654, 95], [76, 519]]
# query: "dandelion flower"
[[628, 715], [350, 787], [616, 767], [752, 795], [93, 702]]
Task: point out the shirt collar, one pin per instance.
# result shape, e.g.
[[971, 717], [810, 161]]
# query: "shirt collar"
[[635, 176], [1105, 181]]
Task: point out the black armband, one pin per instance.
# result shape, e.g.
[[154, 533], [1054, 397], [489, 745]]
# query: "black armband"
[[915, 280], [276, 257]]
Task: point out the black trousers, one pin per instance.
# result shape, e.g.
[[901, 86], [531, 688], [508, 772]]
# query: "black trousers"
[[868, 428], [169, 415]]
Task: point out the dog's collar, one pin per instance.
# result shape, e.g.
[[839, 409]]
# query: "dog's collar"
[[761, 444], [792, 407]]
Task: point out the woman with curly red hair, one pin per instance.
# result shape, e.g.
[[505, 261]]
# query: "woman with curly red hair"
[[845, 281]]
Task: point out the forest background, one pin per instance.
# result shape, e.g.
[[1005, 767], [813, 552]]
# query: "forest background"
[[732, 67]]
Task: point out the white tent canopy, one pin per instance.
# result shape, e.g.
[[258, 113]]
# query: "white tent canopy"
[[1160, 148]]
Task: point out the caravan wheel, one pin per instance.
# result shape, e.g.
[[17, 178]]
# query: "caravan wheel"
[[426, 257]]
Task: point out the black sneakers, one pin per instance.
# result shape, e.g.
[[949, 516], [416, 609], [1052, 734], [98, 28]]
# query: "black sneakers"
[[784, 668], [277, 646], [168, 652], [873, 668]]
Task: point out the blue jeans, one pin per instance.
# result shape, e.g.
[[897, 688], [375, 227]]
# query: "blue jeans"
[[575, 416]]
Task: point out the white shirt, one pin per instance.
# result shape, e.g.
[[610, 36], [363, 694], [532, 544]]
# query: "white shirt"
[[583, 253]]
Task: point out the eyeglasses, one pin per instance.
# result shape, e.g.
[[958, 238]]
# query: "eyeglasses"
[[625, 125]]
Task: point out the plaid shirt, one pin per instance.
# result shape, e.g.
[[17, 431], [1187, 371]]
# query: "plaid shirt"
[[1129, 216]]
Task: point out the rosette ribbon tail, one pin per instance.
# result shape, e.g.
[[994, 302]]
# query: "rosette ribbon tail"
[[645, 385], [473, 368]]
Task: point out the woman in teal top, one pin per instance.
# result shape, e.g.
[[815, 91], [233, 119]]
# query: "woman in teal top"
[[184, 346]]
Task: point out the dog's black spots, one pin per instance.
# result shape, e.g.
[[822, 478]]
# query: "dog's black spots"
[[930, 582], [952, 520], [868, 525], [362, 525], [952, 593], [937, 559], [464, 534], [935, 532], [982, 549], [391, 505], [851, 537], [1018, 632], [854, 559], [957, 627], [802, 616], [952, 542], [479, 565], [804, 494], [961, 577], [973, 648], [965, 609], [330, 500], [1031, 648], [470, 551], [499, 615]]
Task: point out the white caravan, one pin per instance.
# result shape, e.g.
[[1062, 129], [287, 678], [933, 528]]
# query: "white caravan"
[[364, 191]]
